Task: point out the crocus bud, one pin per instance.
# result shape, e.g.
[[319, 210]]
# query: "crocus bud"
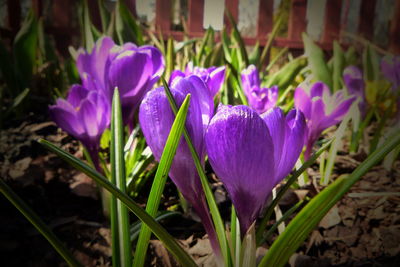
[[261, 99], [251, 154]]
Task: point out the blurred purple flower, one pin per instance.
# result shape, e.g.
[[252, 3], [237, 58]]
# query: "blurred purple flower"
[[321, 110], [353, 79], [85, 114], [156, 118], [390, 66], [134, 70], [261, 99], [213, 76], [251, 154]]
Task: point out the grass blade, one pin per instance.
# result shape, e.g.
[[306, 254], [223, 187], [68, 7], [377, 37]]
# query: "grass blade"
[[118, 176], [156, 228], [160, 178], [316, 61], [35, 220], [271, 37], [336, 144], [135, 228], [238, 38], [308, 218], [215, 214], [338, 65], [287, 74], [285, 216], [282, 191]]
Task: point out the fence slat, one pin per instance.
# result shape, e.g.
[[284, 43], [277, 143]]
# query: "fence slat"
[[297, 19], [394, 34], [265, 17], [163, 15], [366, 21], [196, 15], [332, 24]]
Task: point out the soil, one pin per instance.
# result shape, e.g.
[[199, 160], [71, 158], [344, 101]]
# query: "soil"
[[363, 229]]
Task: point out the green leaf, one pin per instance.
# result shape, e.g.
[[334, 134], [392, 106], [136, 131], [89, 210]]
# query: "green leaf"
[[336, 145], [316, 61], [282, 191], [7, 72], [25, 49], [87, 27], [35, 220], [170, 57], [286, 75], [370, 64], [104, 15], [275, 59], [18, 100], [270, 39], [119, 178], [338, 66], [162, 215], [248, 249], [155, 227], [282, 219], [128, 30], [351, 56], [309, 217], [160, 178], [216, 216], [238, 38], [209, 34], [254, 57]]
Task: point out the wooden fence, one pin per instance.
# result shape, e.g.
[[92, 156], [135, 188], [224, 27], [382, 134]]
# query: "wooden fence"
[[63, 13]]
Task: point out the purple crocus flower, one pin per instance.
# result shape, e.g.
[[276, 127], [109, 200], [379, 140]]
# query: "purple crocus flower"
[[321, 109], [85, 114], [134, 70], [261, 99], [213, 76], [353, 79], [156, 118], [251, 154], [390, 66]]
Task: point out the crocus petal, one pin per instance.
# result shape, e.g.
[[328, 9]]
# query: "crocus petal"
[[88, 114], [156, 59], [340, 111], [94, 63], [76, 94], [174, 75], [353, 79], [302, 101], [319, 89], [390, 67], [129, 72], [250, 78], [195, 86], [275, 120], [295, 133], [240, 150], [67, 120], [217, 76], [288, 135]]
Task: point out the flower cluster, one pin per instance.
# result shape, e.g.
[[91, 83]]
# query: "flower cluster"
[[85, 114]]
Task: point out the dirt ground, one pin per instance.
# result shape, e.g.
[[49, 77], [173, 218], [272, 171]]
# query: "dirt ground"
[[363, 229]]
